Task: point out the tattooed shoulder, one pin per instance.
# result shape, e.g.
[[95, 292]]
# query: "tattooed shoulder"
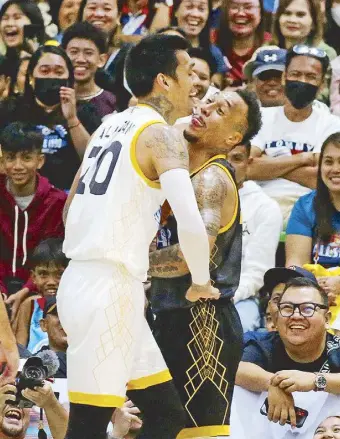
[[166, 143]]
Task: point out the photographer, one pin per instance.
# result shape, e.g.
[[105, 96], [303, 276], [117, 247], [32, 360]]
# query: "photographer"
[[14, 421]]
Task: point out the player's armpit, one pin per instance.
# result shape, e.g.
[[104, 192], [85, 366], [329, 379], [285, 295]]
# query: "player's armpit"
[[167, 148]]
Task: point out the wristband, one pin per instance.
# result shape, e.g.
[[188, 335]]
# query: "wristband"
[[74, 126]]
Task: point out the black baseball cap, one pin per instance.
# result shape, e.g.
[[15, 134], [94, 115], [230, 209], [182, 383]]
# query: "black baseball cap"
[[50, 306], [279, 275]]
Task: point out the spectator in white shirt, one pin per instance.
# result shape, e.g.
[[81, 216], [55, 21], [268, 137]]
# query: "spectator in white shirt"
[[262, 225], [286, 150]]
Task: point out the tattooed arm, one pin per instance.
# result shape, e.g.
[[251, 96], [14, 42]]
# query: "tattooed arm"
[[211, 188]]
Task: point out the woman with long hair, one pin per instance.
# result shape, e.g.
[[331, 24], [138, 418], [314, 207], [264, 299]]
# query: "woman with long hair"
[[301, 22], [15, 16], [332, 29], [313, 231], [193, 17], [49, 104], [241, 33]]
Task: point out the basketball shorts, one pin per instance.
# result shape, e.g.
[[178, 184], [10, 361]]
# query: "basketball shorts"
[[110, 346], [202, 347]]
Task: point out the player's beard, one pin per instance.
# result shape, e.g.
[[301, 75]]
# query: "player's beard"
[[190, 137]]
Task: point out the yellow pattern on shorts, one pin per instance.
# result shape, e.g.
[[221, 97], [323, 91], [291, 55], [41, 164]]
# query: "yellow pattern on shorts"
[[205, 349]]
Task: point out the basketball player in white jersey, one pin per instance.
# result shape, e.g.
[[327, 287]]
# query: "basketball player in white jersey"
[[132, 163]]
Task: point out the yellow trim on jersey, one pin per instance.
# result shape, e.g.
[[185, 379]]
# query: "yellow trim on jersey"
[[148, 381], [226, 170], [219, 156], [133, 158], [213, 430], [96, 400]]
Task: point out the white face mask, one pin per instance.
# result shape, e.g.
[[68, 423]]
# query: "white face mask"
[[335, 12]]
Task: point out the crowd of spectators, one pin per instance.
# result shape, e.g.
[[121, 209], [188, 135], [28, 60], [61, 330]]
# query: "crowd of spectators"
[[62, 74]]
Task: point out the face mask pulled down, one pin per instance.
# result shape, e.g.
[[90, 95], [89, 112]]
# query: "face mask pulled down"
[[300, 94], [47, 90]]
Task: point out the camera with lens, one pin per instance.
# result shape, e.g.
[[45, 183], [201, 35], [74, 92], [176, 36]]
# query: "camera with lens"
[[36, 369]]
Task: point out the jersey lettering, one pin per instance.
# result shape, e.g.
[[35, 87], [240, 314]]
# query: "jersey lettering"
[[95, 187]]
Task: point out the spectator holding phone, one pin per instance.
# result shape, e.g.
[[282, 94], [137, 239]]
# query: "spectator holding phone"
[[300, 357]]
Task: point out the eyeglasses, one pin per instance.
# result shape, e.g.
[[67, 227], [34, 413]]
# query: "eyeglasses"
[[302, 49], [306, 309]]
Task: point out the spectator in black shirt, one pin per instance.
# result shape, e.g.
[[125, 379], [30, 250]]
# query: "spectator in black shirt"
[[49, 104], [300, 357]]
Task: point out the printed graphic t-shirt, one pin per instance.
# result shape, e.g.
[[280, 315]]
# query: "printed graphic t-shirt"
[[281, 137], [303, 222]]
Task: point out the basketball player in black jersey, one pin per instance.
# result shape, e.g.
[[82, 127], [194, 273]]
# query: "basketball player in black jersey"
[[202, 343]]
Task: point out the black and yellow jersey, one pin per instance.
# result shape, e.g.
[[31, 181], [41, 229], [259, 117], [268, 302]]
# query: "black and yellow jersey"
[[225, 265]]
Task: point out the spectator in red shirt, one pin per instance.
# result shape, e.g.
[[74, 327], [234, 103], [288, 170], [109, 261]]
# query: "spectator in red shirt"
[[30, 207], [241, 33]]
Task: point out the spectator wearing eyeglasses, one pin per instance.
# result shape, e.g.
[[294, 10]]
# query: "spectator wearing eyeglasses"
[[286, 150], [300, 357]]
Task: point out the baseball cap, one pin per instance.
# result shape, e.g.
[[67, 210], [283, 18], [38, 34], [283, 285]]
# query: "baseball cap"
[[50, 306], [265, 58], [279, 275]]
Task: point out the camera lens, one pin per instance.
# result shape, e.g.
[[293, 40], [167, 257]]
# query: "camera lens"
[[34, 373]]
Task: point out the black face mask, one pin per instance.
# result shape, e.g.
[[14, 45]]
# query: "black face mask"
[[47, 90], [300, 94]]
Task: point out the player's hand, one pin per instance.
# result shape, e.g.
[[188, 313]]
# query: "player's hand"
[[280, 406], [197, 292], [126, 419], [43, 397]]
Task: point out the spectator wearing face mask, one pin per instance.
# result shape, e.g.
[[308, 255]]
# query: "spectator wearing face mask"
[[286, 150]]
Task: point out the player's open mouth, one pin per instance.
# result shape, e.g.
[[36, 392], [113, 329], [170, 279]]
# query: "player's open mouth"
[[13, 416], [197, 122]]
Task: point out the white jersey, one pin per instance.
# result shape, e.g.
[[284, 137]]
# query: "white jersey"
[[116, 211]]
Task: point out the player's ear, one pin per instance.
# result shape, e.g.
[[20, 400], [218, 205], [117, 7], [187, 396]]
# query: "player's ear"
[[163, 81], [234, 139]]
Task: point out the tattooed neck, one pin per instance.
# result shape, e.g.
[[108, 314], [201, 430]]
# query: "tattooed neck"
[[162, 105]]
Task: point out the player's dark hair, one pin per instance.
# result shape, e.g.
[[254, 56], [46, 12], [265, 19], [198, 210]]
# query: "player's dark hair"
[[205, 55], [300, 282], [171, 28], [85, 31], [254, 117], [323, 205], [49, 251], [153, 55], [19, 136]]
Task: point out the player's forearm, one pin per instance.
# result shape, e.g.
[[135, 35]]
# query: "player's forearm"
[[268, 168], [57, 418], [253, 377], [192, 235], [306, 176], [168, 262]]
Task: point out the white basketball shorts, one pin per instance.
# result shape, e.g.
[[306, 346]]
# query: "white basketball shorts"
[[111, 348]]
